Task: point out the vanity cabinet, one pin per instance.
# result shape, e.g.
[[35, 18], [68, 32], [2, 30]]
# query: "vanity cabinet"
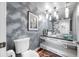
[[78, 50], [58, 46]]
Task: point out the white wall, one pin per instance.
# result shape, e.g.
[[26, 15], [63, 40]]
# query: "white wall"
[[77, 22], [76, 26], [74, 23], [2, 27]]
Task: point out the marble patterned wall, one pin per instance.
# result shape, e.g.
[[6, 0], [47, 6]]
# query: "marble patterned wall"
[[17, 24], [62, 26]]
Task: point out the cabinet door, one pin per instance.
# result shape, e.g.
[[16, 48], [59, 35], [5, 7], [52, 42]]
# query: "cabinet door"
[[2, 29]]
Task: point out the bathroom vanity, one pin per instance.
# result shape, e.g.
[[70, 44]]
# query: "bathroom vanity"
[[59, 46]]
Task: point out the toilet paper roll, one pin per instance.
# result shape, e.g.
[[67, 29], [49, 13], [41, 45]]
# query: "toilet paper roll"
[[10, 53]]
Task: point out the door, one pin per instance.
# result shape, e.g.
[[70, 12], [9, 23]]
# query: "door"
[[2, 29]]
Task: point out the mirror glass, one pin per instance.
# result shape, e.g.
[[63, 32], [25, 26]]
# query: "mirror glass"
[[59, 26]]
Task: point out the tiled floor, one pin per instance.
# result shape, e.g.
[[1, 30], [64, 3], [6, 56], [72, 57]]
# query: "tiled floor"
[[45, 53]]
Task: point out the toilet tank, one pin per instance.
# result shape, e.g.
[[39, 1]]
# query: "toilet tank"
[[21, 45]]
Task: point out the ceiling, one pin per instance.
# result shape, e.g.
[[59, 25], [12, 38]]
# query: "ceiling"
[[40, 7]]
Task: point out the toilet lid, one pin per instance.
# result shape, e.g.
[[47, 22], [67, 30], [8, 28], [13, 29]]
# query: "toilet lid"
[[30, 53]]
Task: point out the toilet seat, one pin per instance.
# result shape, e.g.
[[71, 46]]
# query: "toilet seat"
[[30, 53]]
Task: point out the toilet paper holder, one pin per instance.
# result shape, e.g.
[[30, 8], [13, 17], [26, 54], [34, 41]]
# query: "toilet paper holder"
[[3, 44]]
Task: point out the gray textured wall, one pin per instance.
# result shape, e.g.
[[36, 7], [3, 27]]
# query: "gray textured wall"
[[17, 24]]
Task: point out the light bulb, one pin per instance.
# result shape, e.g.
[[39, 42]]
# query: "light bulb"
[[47, 16], [50, 18], [40, 17], [57, 16]]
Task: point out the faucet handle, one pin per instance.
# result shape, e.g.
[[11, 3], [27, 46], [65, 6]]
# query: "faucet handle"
[[77, 42]]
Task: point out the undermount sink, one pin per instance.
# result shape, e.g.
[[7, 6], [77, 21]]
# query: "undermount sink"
[[57, 35]]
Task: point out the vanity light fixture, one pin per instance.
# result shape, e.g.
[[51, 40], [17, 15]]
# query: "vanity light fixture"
[[57, 17], [78, 9], [66, 11], [40, 17], [47, 10], [56, 13], [47, 7], [50, 17], [47, 14]]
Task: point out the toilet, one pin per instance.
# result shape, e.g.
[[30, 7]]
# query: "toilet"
[[22, 47]]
